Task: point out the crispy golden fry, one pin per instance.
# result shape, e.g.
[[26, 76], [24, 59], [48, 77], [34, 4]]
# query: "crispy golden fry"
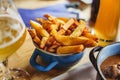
[[78, 31], [63, 19], [70, 49], [61, 31], [56, 43], [50, 41], [54, 20], [67, 40], [39, 29], [45, 48], [68, 24], [45, 23], [86, 33], [90, 43], [35, 25], [43, 42], [41, 20], [53, 29], [68, 32], [76, 22], [32, 33], [36, 40], [51, 18], [53, 48], [53, 32]]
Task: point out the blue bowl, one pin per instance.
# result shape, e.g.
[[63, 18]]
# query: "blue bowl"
[[103, 53], [54, 60]]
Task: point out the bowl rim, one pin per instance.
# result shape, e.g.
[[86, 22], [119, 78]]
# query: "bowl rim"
[[54, 54], [99, 69]]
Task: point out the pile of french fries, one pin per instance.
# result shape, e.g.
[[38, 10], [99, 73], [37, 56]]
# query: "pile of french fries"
[[61, 35]]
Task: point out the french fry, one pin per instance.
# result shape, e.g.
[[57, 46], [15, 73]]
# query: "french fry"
[[86, 33], [35, 25], [50, 41], [76, 22], [54, 19], [67, 40], [46, 24], [36, 40], [39, 29], [45, 48], [56, 43], [70, 49], [41, 20], [63, 19], [51, 18], [32, 33], [61, 31], [68, 32], [60, 21], [53, 29], [53, 32], [43, 42], [53, 48], [90, 43], [78, 31], [68, 24]]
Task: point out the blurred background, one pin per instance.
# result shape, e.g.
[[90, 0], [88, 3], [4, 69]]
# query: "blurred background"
[[80, 9]]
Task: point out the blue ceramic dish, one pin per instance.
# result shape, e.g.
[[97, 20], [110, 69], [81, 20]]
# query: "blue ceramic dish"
[[103, 53], [54, 60]]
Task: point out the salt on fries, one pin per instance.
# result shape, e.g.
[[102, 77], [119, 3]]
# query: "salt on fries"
[[61, 35]]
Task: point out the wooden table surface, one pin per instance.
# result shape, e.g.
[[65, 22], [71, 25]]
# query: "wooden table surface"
[[21, 57]]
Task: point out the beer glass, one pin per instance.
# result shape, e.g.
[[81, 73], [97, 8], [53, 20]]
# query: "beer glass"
[[12, 36], [106, 26]]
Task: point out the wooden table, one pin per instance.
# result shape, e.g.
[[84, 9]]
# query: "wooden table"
[[21, 57]]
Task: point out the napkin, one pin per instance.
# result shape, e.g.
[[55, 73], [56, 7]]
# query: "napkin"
[[82, 72], [58, 10]]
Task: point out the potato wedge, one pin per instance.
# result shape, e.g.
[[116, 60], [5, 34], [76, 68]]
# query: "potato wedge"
[[53, 48], [35, 25], [36, 40], [90, 43], [61, 31], [78, 31], [39, 29], [41, 20], [63, 19], [86, 33], [70, 49], [51, 18], [43, 42], [32, 33], [68, 24], [67, 40]]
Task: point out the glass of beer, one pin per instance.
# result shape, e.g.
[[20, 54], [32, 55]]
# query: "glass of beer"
[[106, 26], [12, 36]]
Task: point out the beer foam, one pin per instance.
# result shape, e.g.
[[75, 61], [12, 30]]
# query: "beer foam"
[[11, 30]]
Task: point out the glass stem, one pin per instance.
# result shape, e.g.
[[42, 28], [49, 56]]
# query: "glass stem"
[[4, 72], [4, 4]]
